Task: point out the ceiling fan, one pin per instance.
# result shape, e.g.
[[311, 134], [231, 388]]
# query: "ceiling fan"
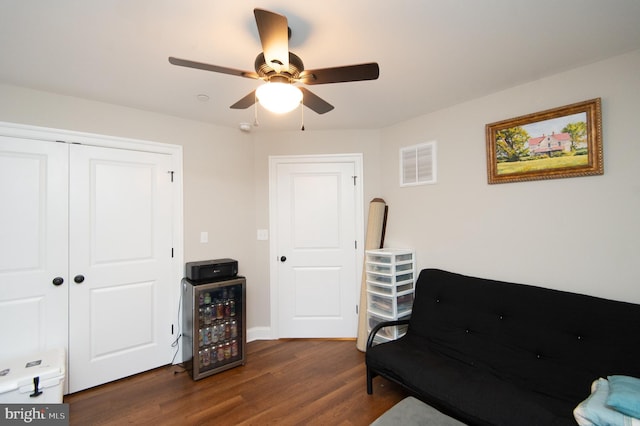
[[281, 69]]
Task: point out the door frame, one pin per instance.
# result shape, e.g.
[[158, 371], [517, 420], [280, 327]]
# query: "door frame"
[[274, 161], [175, 151]]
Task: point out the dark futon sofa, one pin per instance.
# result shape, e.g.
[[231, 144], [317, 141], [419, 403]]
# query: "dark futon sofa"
[[497, 353]]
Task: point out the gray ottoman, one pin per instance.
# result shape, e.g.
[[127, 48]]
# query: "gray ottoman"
[[411, 411]]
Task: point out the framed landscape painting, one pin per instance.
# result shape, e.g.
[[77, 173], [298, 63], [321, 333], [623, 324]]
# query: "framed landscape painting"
[[557, 143]]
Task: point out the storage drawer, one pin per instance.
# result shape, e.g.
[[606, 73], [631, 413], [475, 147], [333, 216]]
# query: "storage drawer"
[[405, 303], [388, 257], [376, 258], [387, 333], [389, 290], [384, 305], [388, 269], [389, 279], [379, 268]]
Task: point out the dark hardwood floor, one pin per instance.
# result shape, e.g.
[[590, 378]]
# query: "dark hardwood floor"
[[284, 382]]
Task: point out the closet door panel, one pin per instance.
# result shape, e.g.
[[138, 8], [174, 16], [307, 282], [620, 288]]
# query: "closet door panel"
[[120, 245], [33, 246]]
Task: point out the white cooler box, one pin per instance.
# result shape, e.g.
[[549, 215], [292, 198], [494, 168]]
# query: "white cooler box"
[[17, 378]]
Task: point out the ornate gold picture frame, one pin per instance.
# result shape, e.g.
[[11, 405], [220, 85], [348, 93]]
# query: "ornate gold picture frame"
[[556, 143]]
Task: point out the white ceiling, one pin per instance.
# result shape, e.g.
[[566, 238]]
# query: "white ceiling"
[[432, 53]]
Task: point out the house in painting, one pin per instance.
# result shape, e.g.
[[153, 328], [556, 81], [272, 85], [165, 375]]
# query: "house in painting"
[[549, 144]]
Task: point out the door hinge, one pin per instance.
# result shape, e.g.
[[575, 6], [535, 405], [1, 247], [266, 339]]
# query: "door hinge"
[[354, 180], [172, 252], [355, 244], [172, 329], [356, 309], [171, 172]]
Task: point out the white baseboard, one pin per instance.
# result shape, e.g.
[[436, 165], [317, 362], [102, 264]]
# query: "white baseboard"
[[259, 333]]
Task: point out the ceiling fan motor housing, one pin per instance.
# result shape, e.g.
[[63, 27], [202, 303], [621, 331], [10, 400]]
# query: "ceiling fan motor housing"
[[267, 72]]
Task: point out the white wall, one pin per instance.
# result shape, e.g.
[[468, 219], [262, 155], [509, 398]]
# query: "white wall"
[[577, 234]]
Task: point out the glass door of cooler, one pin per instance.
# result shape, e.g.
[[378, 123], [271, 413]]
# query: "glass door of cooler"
[[213, 326]]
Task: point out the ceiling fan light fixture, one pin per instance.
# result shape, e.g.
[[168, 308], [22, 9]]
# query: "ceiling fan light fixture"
[[279, 98]]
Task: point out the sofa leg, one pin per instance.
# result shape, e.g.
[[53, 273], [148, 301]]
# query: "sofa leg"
[[369, 382]]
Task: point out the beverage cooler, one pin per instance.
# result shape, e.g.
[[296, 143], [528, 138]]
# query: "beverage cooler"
[[213, 326]]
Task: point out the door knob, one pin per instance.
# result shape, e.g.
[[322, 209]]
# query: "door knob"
[[58, 281], [78, 279], [283, 258]]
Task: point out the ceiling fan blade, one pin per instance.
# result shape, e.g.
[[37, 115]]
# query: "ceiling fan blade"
[[274, 36], [214, 68], [245, 102], [315, 102], [369, 71]]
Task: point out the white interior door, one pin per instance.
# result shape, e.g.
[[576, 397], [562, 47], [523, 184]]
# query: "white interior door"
[[33, 246], [120, 267], [316, 248]]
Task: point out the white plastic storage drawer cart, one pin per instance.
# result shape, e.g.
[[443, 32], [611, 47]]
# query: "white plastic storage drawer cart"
[[391, 276]]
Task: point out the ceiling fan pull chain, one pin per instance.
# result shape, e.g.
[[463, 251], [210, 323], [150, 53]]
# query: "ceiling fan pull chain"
[[302, 113], [255, 111]]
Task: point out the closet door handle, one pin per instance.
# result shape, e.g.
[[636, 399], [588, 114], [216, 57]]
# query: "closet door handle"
[[78, 279], [58, 281]]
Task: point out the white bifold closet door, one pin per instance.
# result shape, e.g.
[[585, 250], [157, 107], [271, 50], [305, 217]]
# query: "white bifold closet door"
[[100, 219], [33, 246], [120, 249]]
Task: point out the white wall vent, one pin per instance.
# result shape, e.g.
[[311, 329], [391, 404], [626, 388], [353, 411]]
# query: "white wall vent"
[[418, 164]]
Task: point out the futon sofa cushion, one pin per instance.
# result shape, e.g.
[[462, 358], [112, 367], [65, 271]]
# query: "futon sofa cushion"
[[469, 393]]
